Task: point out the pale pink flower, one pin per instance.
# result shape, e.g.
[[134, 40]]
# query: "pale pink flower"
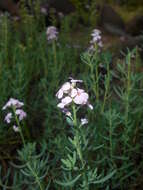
[[8, 117], [52, 33], [69, 93], [21, 114], [81, 97], [96, 40], [13, 102], [84, 121]]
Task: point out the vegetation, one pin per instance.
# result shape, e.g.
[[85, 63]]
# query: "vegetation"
[[53, 150]]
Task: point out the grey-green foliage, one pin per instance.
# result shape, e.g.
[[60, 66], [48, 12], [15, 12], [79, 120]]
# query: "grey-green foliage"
[[119, 125], [30, 169], [77, 172]]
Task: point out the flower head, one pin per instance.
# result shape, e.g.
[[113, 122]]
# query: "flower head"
[[96, 40], [8, 117], [70, 93], [52, 33], [21, 114], [13, 103], [16, 112]]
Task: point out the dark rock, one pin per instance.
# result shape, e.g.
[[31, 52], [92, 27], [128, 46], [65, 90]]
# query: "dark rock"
[[110, 20], [64, 6], [135, 26], [9, 6], [56, 9]]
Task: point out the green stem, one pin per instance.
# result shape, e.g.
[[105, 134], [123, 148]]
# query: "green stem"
[[19, 126], [127, 99], [78, 147], [106, 88], [110, 135]]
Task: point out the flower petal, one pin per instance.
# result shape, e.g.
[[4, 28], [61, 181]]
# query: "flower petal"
[[81, 98], [67, 100], [84, 121], [73, 93], [59, 94], [60, 105], [66, 87]]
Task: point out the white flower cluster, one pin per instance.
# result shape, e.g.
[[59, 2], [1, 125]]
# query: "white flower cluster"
[[16, 104], [52, 33], [70, 93], [96, 40]]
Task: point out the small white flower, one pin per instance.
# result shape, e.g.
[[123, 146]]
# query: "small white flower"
[[84, 121], [15, 128], [21, 114], [8, 117]]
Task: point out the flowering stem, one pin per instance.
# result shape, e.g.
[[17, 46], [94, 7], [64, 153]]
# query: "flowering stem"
[[77, 136], [78, 147], [95, 76], [19, 126]]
